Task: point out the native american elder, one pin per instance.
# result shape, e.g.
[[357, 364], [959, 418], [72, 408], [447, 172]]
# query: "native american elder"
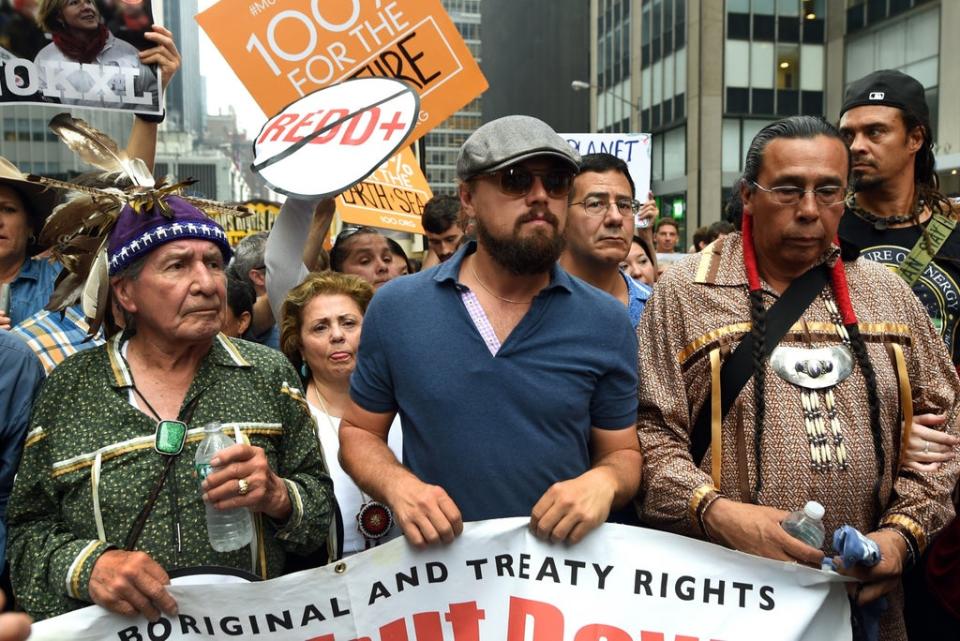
[[820, 418], [105, 426]]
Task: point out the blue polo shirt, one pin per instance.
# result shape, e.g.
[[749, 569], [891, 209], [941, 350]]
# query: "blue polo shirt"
[[496, 431], [30, 290]]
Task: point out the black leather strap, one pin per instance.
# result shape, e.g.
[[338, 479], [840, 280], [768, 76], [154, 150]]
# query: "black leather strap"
[[738, 368]]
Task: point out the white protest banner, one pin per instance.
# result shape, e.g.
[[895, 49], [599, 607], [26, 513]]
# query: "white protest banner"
[[633, 149], [92, 59], [498, 583], [333, 138]]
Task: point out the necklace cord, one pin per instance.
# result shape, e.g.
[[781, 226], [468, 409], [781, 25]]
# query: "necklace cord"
[[494, 294]]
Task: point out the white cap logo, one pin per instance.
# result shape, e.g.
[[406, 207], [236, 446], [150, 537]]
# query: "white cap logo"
[[876, 95]]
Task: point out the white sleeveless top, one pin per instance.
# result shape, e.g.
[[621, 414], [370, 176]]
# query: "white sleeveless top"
[[349, 497]]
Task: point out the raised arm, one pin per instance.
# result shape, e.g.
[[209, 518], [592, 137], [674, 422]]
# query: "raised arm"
[[284, 254], [143, 134]]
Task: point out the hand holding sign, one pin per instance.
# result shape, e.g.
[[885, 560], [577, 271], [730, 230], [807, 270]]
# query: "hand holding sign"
[[648, 213], [426, 513], [165, 54]]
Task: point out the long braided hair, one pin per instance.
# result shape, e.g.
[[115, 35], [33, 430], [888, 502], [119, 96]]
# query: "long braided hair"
[[799, 127]]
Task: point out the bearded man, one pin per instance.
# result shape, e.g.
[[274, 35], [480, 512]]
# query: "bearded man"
[[526, 403]]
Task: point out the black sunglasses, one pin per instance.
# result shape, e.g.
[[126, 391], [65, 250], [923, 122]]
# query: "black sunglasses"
[[518, 181]]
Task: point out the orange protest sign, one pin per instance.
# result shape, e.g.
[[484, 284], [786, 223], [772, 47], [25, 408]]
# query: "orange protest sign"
[[392, 197], [284, 50]]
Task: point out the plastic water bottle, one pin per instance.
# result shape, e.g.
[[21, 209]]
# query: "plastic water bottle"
[[806, 524], [228, 529]]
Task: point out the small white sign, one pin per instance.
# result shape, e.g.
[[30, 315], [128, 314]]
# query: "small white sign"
[[331, 139], [633, 149]]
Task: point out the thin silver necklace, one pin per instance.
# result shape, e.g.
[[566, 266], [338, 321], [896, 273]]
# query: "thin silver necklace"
[[494, 294]]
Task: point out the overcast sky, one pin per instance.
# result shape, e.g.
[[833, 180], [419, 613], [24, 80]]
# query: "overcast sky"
[[224, 89]]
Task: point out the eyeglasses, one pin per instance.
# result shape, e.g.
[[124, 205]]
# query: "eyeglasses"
[[596, 206], [347, 232], [827, 195], [518, 181]]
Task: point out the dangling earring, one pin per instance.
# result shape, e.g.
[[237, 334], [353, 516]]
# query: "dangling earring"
[[304, 370]]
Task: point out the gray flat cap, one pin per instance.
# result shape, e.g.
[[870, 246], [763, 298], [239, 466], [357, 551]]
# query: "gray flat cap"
[[509, 140]]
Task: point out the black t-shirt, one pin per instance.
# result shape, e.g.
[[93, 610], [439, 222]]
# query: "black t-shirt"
[[938, 288]]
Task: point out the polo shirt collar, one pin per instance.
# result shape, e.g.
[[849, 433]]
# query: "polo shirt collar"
[[223, 352], [449, 271]]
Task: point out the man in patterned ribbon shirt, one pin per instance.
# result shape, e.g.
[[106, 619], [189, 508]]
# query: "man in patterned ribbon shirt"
[[109, 419], [820, 410]]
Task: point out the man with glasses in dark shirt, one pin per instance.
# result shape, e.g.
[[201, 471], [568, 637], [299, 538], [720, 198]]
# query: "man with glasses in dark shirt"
[[527, 406]]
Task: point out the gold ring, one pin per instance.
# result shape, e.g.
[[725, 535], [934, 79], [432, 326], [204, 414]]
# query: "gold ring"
[[244, 487]]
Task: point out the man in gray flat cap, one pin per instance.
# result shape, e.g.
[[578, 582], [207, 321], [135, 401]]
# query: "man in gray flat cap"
[[528, 404]]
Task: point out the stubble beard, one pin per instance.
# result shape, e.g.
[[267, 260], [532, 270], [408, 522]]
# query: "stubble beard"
[[863, 182]]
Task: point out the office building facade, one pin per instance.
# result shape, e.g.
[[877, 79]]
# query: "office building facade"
[[705, 77], [443, 143], [532, 51]]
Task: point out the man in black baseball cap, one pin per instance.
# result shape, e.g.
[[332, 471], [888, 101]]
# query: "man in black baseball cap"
[[898, 216]]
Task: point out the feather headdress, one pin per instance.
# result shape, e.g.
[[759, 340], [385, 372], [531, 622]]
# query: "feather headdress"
[[78, 231]]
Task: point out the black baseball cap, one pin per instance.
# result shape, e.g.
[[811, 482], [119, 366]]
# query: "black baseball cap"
[[889, 88]]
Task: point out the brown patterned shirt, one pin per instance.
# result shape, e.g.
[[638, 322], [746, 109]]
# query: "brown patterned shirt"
[[701, 308]]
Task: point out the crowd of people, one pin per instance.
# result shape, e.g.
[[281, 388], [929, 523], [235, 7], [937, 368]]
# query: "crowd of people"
[[540, 363]]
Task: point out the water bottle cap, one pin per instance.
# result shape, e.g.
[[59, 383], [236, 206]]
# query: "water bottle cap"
[[813, 510]]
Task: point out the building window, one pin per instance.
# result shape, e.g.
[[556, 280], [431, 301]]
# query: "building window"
[[663, 75], [766, 68]]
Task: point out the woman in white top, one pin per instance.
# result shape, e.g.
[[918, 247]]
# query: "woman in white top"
[[320, 333]]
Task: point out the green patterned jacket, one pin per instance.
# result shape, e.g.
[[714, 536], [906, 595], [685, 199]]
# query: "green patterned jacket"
[[89, 465]]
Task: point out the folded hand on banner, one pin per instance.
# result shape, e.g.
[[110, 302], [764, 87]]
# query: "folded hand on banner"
[[882, 577], [261, 490], [165, 55], [756, 529], [129, 583], [571, 509], [426, 513]]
